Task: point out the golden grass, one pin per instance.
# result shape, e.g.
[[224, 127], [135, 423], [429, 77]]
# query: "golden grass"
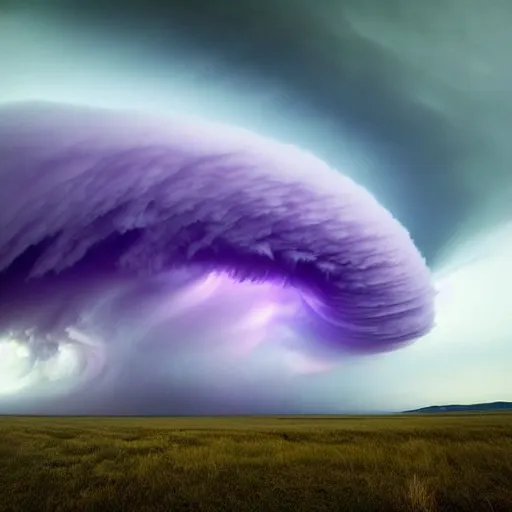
[[385, 464]]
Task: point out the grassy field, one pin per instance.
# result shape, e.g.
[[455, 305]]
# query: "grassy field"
[[391, 463]]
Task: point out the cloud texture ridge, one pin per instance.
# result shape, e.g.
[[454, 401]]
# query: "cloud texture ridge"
[[94, 201]]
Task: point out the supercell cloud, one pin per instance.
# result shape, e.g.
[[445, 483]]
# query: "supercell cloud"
[[123, 233], [412, 102]]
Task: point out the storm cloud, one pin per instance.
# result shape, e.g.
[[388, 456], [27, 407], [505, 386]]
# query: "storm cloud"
[[411, 101], [108, 197]]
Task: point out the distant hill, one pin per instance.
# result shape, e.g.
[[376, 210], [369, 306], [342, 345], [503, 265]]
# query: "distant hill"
[[492, 406]]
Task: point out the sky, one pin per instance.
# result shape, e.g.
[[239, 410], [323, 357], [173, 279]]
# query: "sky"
[[412, 100]]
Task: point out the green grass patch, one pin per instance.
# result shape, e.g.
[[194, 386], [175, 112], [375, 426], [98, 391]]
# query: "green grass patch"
[[456, 462]]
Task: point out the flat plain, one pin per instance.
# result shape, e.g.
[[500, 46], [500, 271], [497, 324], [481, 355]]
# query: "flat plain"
[[448, 462]]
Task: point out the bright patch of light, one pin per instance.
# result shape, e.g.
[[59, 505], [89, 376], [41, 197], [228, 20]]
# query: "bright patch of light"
[[23, 352], [473, 303], [14, 366], [261, 316], [20, 369]]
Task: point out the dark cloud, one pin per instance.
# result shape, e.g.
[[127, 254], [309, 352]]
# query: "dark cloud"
[[382, 72], [419, 90]]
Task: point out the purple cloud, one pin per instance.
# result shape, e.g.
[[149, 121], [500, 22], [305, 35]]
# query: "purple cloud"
[[107, 217]]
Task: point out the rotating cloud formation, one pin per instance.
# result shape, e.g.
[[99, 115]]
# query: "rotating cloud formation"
[[116, 224]]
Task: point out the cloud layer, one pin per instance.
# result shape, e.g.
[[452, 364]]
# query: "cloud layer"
[[124, 222]]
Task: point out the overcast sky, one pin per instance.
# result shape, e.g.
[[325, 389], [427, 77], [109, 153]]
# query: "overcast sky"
[[412, 99]]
